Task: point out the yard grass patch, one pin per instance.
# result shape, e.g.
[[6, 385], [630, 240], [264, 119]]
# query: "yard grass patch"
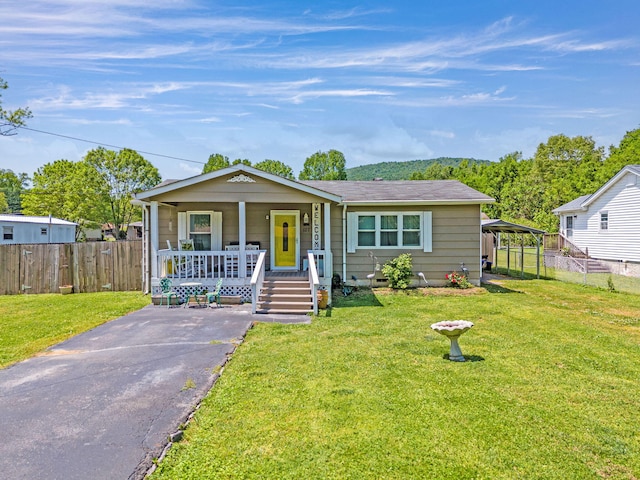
[[550, 391], [32, 323]]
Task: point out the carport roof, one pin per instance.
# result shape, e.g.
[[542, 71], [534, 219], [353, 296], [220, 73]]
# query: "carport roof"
[[500, 226]]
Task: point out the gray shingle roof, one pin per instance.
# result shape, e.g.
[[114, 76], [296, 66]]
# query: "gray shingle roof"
[[572, 205], [400, 191]]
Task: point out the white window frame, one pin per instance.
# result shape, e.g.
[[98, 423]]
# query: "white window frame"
[[400, 230], [570, 219], [603, 224], [184, 221], [7, 232]]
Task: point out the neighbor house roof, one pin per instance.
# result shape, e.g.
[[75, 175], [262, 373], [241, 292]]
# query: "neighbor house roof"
[[573, 205], [581, 203], [380, 192], [16, 218]]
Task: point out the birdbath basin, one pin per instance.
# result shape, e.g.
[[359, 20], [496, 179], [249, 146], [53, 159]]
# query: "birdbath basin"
[[452, 329]]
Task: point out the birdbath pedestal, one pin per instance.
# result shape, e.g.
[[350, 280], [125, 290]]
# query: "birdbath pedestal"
[[452, 330]]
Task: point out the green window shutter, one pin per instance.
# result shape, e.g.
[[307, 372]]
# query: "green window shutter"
[[352, 232], [427, 232]]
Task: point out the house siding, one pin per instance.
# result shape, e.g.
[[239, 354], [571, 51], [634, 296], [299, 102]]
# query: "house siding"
[[621, 241], [455, 238]]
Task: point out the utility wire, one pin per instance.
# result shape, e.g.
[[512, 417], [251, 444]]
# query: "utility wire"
[[108, 145]]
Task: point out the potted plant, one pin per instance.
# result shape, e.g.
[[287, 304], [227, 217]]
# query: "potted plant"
[[66, 289]]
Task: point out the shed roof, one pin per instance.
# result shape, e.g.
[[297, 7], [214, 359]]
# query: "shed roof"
[[17, 218]]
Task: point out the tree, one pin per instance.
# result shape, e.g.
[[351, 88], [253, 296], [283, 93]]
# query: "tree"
[[4, 206], [69, 190], [276, 167], [324, 166], [13, 186], [216, 162], [627, 153], [122, 174], [11, 120], [242, 161]]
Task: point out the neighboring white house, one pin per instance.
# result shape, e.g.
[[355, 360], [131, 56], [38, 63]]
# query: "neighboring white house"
[[606, 224], [27, 229]]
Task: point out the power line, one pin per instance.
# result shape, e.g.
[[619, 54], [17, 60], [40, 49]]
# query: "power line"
[[108, 145]]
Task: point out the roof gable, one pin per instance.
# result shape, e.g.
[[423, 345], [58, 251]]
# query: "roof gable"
[[583, 202], [174, 185]]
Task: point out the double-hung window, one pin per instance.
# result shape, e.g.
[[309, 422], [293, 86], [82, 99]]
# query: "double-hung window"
[[604, 221], [204, 228], [7, 233], [389, 230]]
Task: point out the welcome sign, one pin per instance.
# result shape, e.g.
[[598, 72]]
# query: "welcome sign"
[[316, 228]]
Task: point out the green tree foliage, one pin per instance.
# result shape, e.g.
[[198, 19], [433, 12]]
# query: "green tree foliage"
[[216, 162], [122, 174], [10, 120], [4, 206], [324, 166], [276, 167], [409, 170], [243, 161], [12, 186], [627, 153], [69, 190]]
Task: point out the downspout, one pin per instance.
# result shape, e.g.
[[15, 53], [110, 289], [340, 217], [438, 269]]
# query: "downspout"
[[344, 242]]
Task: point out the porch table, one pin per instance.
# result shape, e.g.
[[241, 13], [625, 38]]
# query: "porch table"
[[192, 291]]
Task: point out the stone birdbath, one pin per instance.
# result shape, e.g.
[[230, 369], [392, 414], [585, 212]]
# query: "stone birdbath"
[[452, 329]]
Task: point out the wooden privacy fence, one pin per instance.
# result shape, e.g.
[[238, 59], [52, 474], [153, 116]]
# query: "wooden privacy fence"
[[89, 267]]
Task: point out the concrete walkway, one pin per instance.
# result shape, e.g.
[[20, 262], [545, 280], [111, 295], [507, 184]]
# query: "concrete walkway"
[[103, 404]]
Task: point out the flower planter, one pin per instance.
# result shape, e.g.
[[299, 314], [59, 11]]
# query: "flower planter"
[[66, 289]]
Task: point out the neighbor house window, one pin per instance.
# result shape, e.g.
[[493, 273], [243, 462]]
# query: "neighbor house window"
[[569, 225], [7, 233], [604, 221], [389, 230], [43, 231]]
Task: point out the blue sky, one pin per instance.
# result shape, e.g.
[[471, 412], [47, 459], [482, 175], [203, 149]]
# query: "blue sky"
[[379, 81]]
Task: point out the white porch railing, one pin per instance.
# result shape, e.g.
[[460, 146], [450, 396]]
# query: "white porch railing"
[[202, 265], [314, 280], [256, 280]]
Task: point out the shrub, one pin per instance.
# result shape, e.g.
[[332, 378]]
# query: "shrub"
[[458, 280], [398, 271]]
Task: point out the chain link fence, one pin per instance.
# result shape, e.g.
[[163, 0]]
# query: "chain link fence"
[[523, 264]]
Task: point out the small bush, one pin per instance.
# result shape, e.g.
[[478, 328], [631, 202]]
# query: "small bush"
[[458, 280], [398, 271]]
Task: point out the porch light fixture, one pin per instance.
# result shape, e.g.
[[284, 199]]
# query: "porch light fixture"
[[305, 219]]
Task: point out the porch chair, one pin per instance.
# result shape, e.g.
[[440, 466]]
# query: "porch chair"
[[215, 295], [167, 291]]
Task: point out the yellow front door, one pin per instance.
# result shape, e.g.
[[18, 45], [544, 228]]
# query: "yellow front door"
[[284, 230]]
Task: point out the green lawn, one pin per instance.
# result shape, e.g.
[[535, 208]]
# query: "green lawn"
[[551, 391], [31, 323]]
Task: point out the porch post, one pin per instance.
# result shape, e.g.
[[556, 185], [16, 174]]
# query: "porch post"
[[242, 239], [328, 254], [155, 241]]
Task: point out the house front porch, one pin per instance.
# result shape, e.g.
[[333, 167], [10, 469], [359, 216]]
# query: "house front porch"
[[242, 271]]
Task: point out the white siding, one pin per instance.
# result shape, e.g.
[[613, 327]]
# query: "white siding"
[[33, 233], [622, 239]]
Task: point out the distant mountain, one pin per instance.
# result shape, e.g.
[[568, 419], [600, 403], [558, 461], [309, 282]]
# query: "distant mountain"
[[402, 170]]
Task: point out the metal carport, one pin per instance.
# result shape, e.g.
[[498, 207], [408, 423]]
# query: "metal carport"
[[498, 227]]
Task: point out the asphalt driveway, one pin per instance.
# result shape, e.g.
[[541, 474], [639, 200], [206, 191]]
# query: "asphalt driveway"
[[103, 404]]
